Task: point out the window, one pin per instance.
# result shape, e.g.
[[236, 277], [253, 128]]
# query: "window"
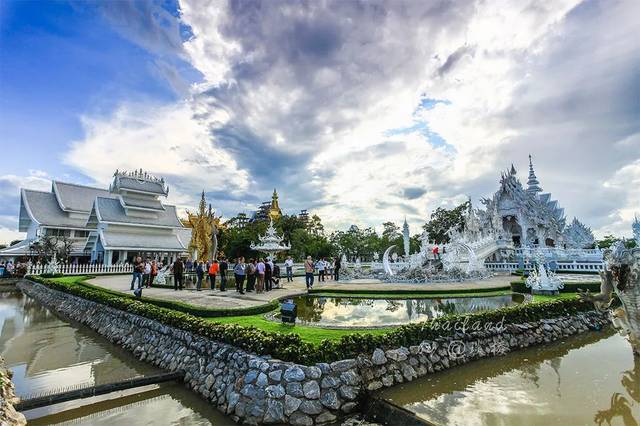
[[57, 232], [81, 234]]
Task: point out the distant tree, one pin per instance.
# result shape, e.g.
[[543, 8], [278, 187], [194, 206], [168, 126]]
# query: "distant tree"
[[315, 225], [443, 220], [390, 231], [607, 241]]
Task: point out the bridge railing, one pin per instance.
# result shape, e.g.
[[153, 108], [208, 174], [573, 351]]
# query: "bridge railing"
[[560, 266]]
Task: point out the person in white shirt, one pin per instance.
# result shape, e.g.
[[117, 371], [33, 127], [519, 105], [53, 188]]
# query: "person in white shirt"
[[146, 274], [289, 266], [320, 266]]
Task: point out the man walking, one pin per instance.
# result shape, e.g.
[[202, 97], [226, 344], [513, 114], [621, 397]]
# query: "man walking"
[[289, 266], [336, 269], [320, 265], [251, 275], [260, 268], [308, 272], [146, 273], [138, 268], [178, 271]]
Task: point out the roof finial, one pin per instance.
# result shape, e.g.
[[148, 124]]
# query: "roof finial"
[[533, 186]]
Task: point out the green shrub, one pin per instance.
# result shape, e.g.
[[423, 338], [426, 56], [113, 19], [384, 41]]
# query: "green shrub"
[[56, 275], [290, 347]]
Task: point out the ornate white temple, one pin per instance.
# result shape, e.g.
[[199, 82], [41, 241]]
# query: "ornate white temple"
[[106, 225], [530, 217], [270, 243]]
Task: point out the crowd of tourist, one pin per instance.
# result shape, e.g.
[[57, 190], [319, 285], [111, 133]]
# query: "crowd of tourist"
[[256, 274]]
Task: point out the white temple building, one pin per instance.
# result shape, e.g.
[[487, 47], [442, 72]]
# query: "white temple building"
[[530, 217], [107, 226]]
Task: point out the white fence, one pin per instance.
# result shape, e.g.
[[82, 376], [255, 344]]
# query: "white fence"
[[574, 266], [37, 269]]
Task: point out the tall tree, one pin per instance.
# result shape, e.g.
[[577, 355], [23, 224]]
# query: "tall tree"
[[443, 220]]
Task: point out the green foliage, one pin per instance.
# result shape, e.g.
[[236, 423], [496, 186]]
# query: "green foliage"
[[291, 347], [442, 220]]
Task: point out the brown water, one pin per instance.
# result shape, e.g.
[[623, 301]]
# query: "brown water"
[[583, 380], [47, 354]]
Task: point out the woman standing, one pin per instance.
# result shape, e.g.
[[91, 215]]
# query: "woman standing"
[[260, 268], [239, 273], [251, 275]]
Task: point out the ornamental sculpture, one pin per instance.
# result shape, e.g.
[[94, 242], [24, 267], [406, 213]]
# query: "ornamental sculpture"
[[622, 277], [204, 232], [270, 243]]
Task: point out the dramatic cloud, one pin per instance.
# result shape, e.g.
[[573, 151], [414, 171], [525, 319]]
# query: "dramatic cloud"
[[10, 189], [368, 111]]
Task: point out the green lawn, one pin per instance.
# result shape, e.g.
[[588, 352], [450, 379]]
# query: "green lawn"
[[309, 334], [315, 335]]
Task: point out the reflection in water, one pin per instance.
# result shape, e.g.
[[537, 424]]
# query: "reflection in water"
[[48, 354], [587, 379], [349, 311], [167, 404]]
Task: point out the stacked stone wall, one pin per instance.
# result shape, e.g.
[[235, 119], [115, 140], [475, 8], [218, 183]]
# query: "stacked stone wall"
[[256, 389]]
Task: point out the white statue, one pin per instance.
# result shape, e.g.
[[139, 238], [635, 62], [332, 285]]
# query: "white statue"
[[542, 281], [52, 266], [636, 230], [161, 278]]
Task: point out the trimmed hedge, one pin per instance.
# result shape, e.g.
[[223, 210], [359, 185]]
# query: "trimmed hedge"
[[290, 347], [592, 286], [187, 308]]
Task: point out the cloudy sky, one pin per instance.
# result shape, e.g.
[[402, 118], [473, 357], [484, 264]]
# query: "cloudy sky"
[[361, 112]]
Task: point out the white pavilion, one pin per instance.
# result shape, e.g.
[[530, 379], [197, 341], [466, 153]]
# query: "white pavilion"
[[107, 226]]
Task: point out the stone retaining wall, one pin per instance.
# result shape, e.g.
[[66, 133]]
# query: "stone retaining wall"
[[256, 389], [8, 414]]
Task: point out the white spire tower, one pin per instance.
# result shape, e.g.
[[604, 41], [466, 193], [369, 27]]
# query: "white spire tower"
[[533, 186], [405, 236]]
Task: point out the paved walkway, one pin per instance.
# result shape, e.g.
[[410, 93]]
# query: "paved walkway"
[[231, 299]]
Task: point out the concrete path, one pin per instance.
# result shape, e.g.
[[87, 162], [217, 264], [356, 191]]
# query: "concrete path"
[[232, 299]]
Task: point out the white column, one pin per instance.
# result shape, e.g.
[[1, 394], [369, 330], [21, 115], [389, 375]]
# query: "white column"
[[108, 257]]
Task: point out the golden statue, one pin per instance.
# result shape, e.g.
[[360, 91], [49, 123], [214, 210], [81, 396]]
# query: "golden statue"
[[204, 231], [274, 211]]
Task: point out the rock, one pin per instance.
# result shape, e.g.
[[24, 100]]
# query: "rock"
[[311, 390], [291, 404], [408, 372], [255, 408], [275, 412], [311, 407], [396, 355], [329, 399], [262, 380], [375, 385], [378, 357], [349, 407], [208, 382], [312, 372], [350, 378], [251, 376], [249, 391], [275, 391], [325, 417], [276, 375], [343, 365], [294, 374], [387, 380], [348, 392], [295, 389], [299, 419], [329, 382]]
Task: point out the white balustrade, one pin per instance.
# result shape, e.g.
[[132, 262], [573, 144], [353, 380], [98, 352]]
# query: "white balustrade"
[[73, 269]]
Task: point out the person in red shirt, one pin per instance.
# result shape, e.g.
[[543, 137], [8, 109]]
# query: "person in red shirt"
[[436, 252], [213, 271]]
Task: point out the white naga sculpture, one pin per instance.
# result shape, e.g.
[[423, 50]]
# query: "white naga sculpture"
[[542, 281], [161, 278], [622, 277]]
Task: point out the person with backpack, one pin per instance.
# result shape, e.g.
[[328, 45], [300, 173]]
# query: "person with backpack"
[[251, 275], [260, 276], [239, 273], [213, 271]]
